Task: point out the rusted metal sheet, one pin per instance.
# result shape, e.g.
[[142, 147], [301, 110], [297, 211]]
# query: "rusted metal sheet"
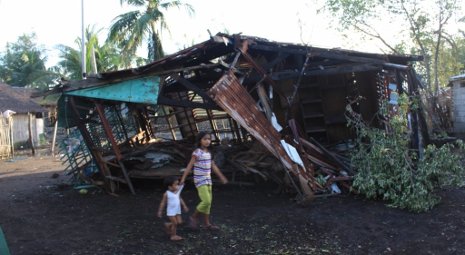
[[230, 95]]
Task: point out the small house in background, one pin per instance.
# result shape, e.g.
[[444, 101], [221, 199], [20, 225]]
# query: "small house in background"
[[49, 103], [26, 115], [458, 92]]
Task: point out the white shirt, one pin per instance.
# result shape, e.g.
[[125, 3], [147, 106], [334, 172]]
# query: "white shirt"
[[8, 113], [173, 204]]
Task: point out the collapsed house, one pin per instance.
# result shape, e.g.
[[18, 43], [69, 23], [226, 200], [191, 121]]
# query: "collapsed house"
[[282, 104]]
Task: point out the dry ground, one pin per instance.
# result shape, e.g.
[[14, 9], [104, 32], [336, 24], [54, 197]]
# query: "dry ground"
[[41, 215]]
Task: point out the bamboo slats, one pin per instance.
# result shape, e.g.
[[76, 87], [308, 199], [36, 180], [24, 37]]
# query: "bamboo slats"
[[5, 138]]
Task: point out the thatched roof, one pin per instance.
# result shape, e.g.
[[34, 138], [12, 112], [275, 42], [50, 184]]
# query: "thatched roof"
[[17, 100]]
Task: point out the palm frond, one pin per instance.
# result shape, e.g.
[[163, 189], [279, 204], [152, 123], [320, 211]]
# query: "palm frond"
[[122, 23], [179, 4], [133, 2]]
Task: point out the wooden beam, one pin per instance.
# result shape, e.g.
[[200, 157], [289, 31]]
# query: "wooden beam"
[[265, 101], [344, 56], [336, 54], [189, 85], [301, 51], [120, 120], [292, 74], [114, 145], [103, 169], [162, 100], [281, 56], [167, 118]]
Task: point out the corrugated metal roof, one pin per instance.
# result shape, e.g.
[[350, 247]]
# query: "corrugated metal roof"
[[142, 90], [457, 77], [222, 44], [229, 94]]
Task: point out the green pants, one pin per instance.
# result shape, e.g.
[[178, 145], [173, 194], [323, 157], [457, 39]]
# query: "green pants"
[[205, 195]]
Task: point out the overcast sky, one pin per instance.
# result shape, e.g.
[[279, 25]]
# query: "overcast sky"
[[59, 22]]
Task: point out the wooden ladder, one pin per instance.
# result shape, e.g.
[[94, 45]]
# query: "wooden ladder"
[[311, 106]]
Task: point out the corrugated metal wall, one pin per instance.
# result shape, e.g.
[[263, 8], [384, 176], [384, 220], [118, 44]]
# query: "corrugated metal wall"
[[459, 105], [21, 128]]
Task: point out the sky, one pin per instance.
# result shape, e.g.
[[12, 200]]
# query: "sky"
[[59, 22]]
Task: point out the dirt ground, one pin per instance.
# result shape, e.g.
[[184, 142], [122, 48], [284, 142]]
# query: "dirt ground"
[[40, 214]]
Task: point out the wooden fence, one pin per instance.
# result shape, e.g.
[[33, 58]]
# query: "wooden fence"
[[5, 138]]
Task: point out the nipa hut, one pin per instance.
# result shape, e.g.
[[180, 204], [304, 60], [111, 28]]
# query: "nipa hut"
[[24, 115]]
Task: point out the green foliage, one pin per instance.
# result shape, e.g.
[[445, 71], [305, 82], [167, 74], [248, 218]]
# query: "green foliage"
[[131, 29], [23, 64], [452, 58], [42, 140], [108, 57], [388, 169], [425, 27]]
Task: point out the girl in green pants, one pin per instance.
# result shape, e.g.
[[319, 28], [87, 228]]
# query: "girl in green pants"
[[201, 164]]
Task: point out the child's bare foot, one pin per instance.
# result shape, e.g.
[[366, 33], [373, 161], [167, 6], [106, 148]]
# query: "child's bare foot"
[[212, 227], [193, 222], [176, 238]]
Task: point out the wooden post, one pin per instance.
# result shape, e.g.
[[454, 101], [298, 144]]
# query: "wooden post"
[[167, 118], [212, 124], [12, 142], [120, 119], [265, 101], [104, 171], [54, 137], [114, 145], [237, 130], [31, 141]]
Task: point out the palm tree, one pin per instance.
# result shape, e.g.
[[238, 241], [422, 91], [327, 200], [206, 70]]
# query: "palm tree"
[[130, 29], [99, 58], [23, 64]]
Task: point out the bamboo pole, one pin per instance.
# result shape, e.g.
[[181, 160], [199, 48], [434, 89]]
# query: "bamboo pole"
[[54, 137], [31, 141], [12, 144]]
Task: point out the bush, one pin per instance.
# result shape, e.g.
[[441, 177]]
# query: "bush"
[[388, 169]]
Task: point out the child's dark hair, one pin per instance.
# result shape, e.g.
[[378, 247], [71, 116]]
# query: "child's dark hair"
[[168, 181], [199, 137]]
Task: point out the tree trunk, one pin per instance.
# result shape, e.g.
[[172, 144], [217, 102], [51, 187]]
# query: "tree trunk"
[[427, 64], [156, 47], [93, 61]]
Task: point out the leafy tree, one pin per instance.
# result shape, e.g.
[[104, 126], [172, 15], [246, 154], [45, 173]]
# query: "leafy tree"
[[387, 169], [23, 64], [452, 58], [99, 58], [425, 24], [131, 29]]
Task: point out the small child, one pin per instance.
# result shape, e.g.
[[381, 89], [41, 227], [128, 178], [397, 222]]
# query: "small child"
[[201, 164], [173, 201]]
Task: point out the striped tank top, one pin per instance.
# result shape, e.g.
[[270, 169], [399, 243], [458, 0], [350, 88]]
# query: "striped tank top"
[[202, 168]]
